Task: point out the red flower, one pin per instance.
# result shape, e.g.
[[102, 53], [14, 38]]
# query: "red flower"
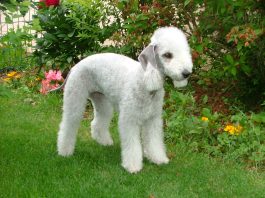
[[49, 3], [52, 2]]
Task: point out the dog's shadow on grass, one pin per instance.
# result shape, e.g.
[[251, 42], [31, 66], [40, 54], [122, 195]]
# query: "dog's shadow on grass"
[[91, 154]]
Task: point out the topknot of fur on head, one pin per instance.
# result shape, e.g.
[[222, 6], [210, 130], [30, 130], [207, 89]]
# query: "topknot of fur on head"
[[169, 34]]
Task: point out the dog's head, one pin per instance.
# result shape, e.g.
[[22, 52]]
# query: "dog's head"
[[167, 54]]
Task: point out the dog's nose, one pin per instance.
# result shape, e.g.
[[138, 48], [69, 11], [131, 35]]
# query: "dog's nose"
[[186, 73]]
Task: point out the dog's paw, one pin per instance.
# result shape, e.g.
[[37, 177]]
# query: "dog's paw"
[[132, 168], [158, 159], [65, 152], [105, 141]]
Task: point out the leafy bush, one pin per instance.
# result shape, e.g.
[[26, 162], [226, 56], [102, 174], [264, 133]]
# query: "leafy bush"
[[238, 137], [70, 32], [228, 42]]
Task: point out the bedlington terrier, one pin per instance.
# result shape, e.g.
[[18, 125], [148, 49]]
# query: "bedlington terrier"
[[133, 89]]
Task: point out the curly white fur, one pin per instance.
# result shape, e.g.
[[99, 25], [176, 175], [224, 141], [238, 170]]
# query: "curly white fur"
[[133, 89]]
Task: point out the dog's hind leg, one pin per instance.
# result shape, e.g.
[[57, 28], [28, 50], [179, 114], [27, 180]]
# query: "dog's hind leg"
[[75, 100], [103, 112]]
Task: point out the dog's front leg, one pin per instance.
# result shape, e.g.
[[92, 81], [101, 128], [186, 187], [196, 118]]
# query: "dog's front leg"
[[153, 141], [131, 148]]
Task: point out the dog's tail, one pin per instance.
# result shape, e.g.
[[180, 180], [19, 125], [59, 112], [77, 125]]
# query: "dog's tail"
[[62, 85]]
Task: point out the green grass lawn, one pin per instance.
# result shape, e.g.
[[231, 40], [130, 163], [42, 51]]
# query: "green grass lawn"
[[30, 166]]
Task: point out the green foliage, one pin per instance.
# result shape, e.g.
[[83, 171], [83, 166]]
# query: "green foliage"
[[14, 44], [70, 32], [230, 36], [249, 144], [11, 49], [14, 9], [238, 137]]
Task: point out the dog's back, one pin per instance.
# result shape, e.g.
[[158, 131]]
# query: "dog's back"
[[109, 74]]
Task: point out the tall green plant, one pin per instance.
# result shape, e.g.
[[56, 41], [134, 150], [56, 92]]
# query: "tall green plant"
[[70, 32], [14, 43], [13, 50]]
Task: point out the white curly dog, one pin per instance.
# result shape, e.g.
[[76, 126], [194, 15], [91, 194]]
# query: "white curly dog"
[[133, 89]]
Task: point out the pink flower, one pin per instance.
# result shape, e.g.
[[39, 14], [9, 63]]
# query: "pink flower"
[[51, 81], [53, 75], [59, 76], [45, 86], [50, 75]]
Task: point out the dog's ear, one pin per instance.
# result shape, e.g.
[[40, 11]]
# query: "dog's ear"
[[148, 56], [153, 79]]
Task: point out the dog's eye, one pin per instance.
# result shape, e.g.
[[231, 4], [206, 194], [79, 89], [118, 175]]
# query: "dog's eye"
[[168, 55]]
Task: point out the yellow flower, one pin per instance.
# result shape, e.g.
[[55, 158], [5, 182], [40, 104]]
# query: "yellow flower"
[[12, 74], [7, 79], [233, 130], [230, 129], [205, 119]]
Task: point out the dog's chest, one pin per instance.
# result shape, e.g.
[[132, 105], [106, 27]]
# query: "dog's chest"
[[149, 105]]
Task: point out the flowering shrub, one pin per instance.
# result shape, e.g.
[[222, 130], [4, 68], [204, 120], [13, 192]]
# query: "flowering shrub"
[[201, 130], [230, 47], [52, 81]]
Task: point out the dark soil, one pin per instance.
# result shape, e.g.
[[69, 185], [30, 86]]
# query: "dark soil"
[[216, 95]]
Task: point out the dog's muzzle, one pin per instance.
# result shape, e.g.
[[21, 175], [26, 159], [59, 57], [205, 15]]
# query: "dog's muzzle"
[[186, 73], [182, 83]]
